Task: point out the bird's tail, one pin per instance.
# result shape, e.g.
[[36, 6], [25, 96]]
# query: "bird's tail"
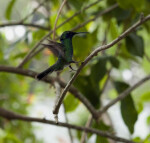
[[44, 73]]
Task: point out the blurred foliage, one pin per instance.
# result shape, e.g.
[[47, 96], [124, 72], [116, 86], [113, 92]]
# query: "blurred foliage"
[[132, 53], [128, 110], [9, 9]]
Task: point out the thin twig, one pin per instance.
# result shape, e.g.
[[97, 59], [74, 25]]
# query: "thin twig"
[[21, 22], [51, 80], [27, 57], [37, 51], [69, 130], [94, 18], [14, 116], [97, 16], [94, 53], [84, 134], [58, 93], [54, 30], [24, 24], [123, 95], [34, 10], [77, 13], [59, 12]]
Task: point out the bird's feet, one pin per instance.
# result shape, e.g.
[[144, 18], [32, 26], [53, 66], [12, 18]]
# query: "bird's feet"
[[71, 68]]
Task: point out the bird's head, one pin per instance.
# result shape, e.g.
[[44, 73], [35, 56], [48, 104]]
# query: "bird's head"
[[69, 34]]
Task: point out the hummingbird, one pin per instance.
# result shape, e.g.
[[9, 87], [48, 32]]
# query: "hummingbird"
[[64, 52]]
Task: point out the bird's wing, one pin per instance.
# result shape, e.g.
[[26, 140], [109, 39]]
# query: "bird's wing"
[[52, 49], [56, 48]]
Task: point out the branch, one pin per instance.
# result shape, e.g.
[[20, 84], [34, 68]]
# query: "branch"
[[34, 10], [58, 92], [94, 53], [51, 80], [24, 72], [67, 121], [27, 57], [77, 13], [123, 95], [93, 19], [73, 90], [84, 134], [97, 16], [24, 24], [59, 12], [14, 116]]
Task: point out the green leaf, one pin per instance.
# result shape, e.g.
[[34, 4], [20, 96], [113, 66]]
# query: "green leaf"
[[128, 110], [121, 14], [9, 9], [100, 139], [147, 140], [38, 34], [148, 120], [89, 85], [138, 5], [137, 139], [135, 44], [85, 86], [124, 3], [20, 55], [78, 3], [70, 103], [114, 61], [82, 45], [99, 69], [103, 127], [11, 138], [145, 97], [113, 28]]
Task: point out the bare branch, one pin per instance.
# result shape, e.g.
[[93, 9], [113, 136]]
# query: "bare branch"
[[14, 116], [58, 93], [21, 22], [67, 121], [123, 95], [94, 53], [88, 124], [51, 80], [24, 24]]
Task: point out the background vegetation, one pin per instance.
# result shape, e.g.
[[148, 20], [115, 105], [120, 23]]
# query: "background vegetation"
[[121, 70]]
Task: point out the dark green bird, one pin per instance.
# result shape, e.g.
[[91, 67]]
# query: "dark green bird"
[[64, 52]]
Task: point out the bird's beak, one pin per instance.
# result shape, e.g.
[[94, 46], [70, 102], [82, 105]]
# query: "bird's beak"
[[81, 34]]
